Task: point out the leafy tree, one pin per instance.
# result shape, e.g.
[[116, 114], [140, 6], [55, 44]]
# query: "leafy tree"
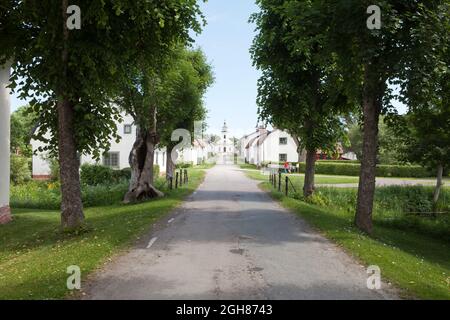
[[23, 122], [389, 142], [294, 92], [73, 74], [186, 103], [161, 101], [370, 59], [427, 140], [426, 91], [20, 169]]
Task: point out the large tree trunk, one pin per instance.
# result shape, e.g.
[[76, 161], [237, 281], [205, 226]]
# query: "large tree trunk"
[[308, 187], [141, 163], [437, 190], [5, 212], [71, 204], [366, 189]]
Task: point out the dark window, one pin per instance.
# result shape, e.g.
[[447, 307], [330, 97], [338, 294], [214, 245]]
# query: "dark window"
[[225, 149], [127, 129], [283, 141], [111, 159], [283, 157]]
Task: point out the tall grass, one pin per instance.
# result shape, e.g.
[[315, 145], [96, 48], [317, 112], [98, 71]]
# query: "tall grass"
[[47, 195], [402, 207]]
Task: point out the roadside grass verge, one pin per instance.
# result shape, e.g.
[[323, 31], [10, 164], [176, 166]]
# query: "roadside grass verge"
[[416, 263], [205, 166], [34, 254], [248, 166], [297, 179]]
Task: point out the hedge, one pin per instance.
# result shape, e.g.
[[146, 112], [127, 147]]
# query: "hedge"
[[338, 161], [95, 174], [352, 169]]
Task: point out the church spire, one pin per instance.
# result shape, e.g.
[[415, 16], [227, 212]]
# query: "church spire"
[[225, 128]]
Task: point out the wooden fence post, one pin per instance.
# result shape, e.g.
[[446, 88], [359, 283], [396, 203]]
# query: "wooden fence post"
[[279, 181], [176, 180], [287, 186]]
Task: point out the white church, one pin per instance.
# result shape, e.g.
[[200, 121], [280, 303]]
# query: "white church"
[[225, 148]]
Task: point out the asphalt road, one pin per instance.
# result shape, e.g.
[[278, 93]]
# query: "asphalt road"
[[230, 240]]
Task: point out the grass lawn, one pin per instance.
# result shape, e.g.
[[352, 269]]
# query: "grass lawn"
[[416, 263], [297, 179], [34, 255]]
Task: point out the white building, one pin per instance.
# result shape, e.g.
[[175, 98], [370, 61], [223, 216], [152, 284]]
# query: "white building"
[[117, 156], [225, 148], [264, 146]]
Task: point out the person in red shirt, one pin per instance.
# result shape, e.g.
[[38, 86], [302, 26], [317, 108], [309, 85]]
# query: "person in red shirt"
[[286, 167]]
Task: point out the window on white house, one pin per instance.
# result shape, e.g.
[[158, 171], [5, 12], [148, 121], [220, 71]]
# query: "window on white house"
[[127, 129], [283, 141], [164, 159], [283, 157], [111, 159], [156, 157]]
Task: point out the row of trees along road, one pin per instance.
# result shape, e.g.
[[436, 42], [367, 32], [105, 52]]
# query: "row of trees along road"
[[161, 100], [320, 60], [72, 76]]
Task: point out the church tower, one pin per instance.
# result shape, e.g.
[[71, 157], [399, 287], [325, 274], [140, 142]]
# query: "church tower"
[[225, 136]]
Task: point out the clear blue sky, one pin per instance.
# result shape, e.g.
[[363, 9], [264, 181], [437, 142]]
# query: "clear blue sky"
[[226, 40]]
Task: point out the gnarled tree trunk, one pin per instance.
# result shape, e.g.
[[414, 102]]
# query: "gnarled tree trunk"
[[141, 162], [308, 187], [366, 190]]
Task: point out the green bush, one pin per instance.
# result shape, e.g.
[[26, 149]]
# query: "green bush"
[[184, 165], [20, 169], [352, 169], [156, 171], [339, 161], [94, 174], [54, 169], [103, 195], [124, 174]]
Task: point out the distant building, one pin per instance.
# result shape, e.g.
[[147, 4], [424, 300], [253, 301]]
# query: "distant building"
[[225, 147], [264, 146], [277, 146]]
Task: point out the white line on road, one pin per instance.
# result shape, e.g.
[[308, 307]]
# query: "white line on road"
[[171, 220], [151, 242]]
